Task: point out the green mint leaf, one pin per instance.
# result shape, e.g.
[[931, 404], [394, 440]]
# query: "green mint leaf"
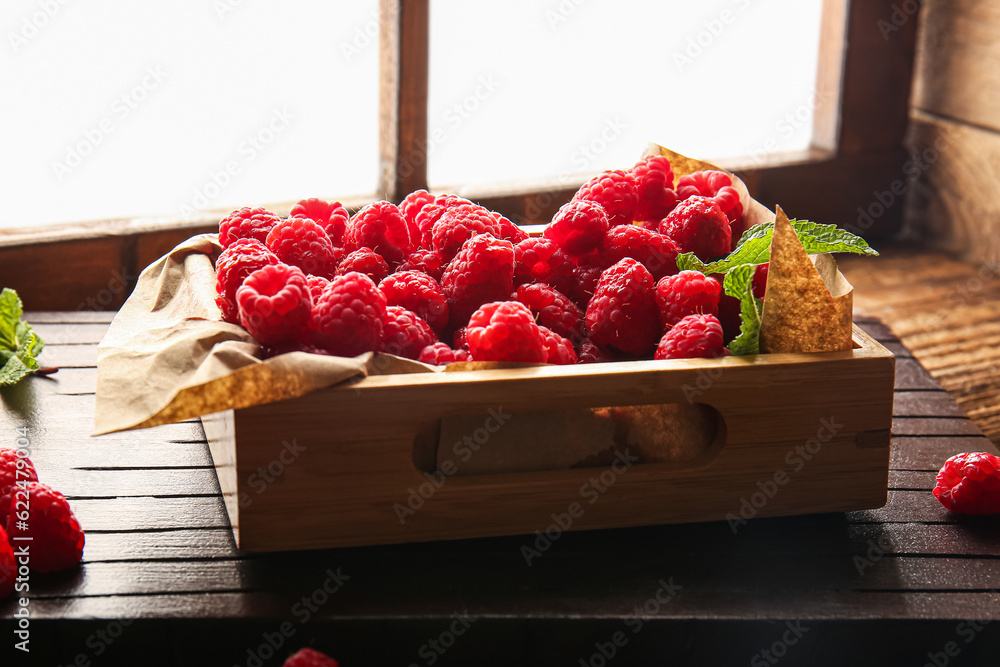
[[13, 370], [739, 283], [10, 315], [817, 238]]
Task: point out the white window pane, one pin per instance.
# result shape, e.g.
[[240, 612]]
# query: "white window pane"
[[117, 108], [524, 90]]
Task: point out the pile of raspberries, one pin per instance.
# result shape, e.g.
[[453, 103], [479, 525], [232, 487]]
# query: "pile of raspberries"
[[440, 279]]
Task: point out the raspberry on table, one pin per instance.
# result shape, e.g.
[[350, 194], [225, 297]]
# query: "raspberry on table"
[[56, 537], [419, 293], [8, 567], [694, 337], [969, 483], [432, 212], [330, 215], [405, 333], [687, 293], [410, 207], [246, 223], [585, 277], [554, 310], [616, 191], [316, 285], [698, 225], [592, 353], [541, 260], [505, 331], [239, 260], [304, 243], [457, 225], [381, 227], [427, 261], [760, 280], [578, 227], [507, 230], [439, 354], [653, 250], [715, 184], [459, 340], [482, 272], [275, 303], [309, 658], [558, 350], [654, 181], [623, 313], [348, 318], [366, 261], [14, 469]]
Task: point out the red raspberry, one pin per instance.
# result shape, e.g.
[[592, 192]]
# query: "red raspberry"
[[553, 309], [426, 261], [405, 333], [687, 293], [540, 260], [457, 225], [330, 215], [239, 260], [558, 350], [381, 227], [8, 568], [316, 286], [366, 261], [418, 292], [349, 317], [430, 213], [760, 280], [698, 225], [623, 312], [14, 469], [275, 303], [309, 658], [246, 223], [440, 354], [578, 227], [56, 537], [303, 243], [694, 337], [654, 250], [507, 230], [654, 180], [482, 272], [592, 353], [616, 191], [585, 277], [410, 207], [715, 184], [969, 483], [505, 331], [459, 340]]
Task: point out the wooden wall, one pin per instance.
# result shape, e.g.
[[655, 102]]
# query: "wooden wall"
[[954, 193]]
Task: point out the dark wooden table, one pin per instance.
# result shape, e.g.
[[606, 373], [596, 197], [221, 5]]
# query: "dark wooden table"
[[162, 583]]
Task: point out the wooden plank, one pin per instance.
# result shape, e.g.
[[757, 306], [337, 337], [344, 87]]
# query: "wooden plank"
[[958, 56], [69, 356], [925, 404], [69, 316], [873, 540], [78, 483], [71, 334], [403, 71], [930, 453], [180, 544], [911, 376], [906, 506], [148, 513], [925, 426], [124, 452]]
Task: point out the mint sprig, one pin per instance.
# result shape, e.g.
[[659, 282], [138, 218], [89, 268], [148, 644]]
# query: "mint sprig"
[[739, 283], [19, 345]]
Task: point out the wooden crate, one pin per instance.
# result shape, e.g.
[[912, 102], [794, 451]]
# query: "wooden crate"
[[802, 433]]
